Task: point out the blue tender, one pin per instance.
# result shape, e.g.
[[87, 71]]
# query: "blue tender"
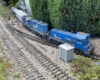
[[79, 40]]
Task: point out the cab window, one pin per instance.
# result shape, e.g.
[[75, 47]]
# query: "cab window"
[[79, 40], [39, 25]]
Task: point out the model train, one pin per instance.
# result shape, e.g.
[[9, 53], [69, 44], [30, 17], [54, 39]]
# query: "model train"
[[79, 40]]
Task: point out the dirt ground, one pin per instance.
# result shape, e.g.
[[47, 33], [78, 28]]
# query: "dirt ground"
[[96, 42]]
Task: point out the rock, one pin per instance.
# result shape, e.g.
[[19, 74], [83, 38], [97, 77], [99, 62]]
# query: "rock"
[[10, 78], [1, 54], [4, 3], [95, 78], [4, 59]]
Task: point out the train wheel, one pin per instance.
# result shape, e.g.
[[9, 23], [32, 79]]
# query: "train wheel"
[[51, 41]]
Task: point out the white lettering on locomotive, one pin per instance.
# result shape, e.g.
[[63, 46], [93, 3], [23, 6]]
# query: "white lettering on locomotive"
[[68, 39], [79, 43], [56, 36], [35, 26]]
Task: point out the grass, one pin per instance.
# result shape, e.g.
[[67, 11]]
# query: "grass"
[[85, 68], [1, 60], [16, 75], [3, 69], [6, 11]]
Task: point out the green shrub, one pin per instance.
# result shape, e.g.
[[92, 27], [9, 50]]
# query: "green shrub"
[[16, 75], [17, 4], [39, 9], [85, 68], [3, 67], [1, 60], [14, 2], [6, 0], [76, 15]]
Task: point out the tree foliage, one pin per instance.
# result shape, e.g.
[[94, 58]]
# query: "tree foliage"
[[39, 9], [6, 0], [76, 15], [85, 68], [3, 69], [14, 2]]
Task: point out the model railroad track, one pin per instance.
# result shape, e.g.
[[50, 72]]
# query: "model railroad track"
[[91, 56], [26, 67], [40, 40], [44, 60], [94, 56]]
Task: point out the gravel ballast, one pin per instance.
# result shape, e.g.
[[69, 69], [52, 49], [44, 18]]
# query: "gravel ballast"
[[50, 52]]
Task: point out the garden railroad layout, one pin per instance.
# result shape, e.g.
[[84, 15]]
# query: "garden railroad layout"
[[36, 59], [33, 64]]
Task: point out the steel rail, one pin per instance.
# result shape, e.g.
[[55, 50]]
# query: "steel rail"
[[46, 59], [21, 54], [37, 51], [26, 73], [44, 65], [43, 41], [41, 55]]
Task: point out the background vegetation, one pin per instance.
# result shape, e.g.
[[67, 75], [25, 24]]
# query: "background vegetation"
[[85, 68], [40, 10], [76, 15], [14, 2], [3, 71], [6, 11], [6, 0]]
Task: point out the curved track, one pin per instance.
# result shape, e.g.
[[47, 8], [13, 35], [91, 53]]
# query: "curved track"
[[40, 40], [42, 59], [26, 67], [46, 42]]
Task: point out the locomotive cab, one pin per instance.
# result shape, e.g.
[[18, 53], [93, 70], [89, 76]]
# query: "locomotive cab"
[[83, 42]]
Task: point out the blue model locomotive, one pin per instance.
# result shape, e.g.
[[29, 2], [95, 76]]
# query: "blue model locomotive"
[[37, 26], [79, 40]]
